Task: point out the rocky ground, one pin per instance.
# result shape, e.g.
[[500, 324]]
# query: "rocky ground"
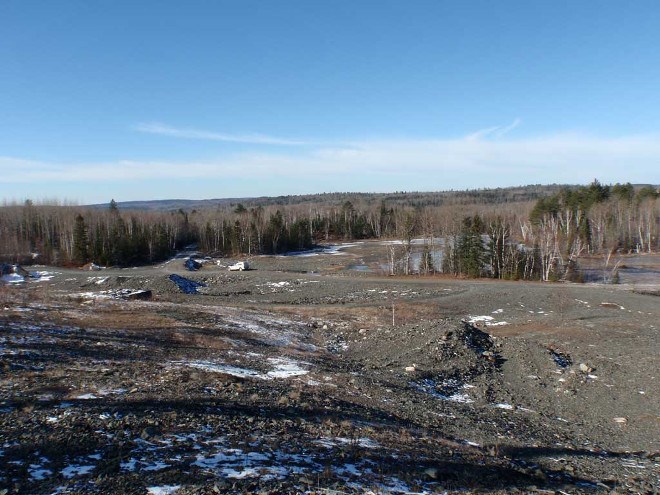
[[317, 375]]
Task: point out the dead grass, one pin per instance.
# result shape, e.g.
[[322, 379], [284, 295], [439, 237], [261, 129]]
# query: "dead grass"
[[378, 314], [116, 318], [202, 340]]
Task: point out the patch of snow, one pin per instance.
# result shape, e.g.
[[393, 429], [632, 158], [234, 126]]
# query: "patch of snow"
[[12, 278], [162, 490], [475, 319], [508, 407], [38, 472], [76, 470], [498, 311], [239, 475], [348, 469], [447, 390], [285, 368], [116, 391], [211, 462], [332, 249], [20, 309], [363, 442], [86, 396], [223, 368], [156, 466], [487, 320], [130, 465], [43, 276], [92, 295]]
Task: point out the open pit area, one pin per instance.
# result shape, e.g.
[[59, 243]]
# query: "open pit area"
[[319, 374]]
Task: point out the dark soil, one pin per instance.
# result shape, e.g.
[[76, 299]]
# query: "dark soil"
[[305, 376]]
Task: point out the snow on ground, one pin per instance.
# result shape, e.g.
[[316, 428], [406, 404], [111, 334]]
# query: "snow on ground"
[[38, 472], [281, 368], [86, 397], [286, 285], [218, 456], [271, 331], [12, 278], [204, 450], [486, 320], [333, 249], [107, 294], [77, 470], [364, 442], [43, 276], [446, 390], [221, 368], [285, 368], [163, 490]]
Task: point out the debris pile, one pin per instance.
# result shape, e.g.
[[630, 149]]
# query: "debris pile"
[[185, 285]]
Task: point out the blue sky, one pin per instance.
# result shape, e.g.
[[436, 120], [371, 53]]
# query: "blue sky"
[[206, 99]]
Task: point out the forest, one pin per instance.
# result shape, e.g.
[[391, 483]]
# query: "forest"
[[531, 233]]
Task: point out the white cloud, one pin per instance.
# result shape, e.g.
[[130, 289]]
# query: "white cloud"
[[184, 133], [497, 131], [393, 165]]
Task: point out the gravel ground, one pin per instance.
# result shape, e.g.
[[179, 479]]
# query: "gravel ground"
[[307, 375]]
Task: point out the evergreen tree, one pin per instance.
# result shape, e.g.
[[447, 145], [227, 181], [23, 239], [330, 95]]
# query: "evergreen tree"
[[80, 241], [470, 251]]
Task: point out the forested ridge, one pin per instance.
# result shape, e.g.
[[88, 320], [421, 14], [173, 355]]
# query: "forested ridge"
[[534, 232], [402, 198]]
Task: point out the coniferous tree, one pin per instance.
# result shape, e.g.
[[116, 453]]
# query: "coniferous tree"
[[470, 250], [80, 241]]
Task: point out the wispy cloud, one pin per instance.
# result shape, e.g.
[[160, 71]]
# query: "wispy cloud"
[[498, 131], [553, 158], [394, 165], [187, 133]]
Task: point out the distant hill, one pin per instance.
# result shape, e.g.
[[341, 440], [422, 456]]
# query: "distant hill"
[[472, 196], [173, 204]]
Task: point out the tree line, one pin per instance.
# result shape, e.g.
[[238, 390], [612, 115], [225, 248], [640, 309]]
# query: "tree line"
[[515, 238]]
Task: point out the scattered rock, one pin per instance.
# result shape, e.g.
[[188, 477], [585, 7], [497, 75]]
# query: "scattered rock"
[[431, 473], [585, 368]]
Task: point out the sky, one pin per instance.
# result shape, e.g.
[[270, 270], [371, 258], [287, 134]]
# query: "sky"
[[166, 99]]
